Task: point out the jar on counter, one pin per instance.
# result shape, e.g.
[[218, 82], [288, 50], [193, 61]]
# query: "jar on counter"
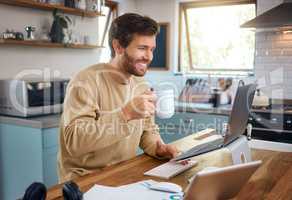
[[81, 4]]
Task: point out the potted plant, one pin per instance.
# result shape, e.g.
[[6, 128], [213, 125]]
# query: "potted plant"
[[59, 24]]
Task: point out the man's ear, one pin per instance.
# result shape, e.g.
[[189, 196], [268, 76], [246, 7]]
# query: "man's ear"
[[117, 47]]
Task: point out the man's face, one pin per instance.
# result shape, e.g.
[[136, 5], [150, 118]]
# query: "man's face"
[[138, 55]]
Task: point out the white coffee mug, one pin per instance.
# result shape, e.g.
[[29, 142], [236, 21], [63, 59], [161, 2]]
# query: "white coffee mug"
[[165, 103]]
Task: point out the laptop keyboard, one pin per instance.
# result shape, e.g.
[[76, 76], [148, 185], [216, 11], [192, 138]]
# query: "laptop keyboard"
[[170, 169]]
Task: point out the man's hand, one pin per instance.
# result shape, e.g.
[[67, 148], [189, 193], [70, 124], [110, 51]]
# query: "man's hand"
[[166, 150], [140, 107]]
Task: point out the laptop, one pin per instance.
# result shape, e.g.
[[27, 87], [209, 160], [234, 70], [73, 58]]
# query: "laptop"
[[236, 125], [207, 184]]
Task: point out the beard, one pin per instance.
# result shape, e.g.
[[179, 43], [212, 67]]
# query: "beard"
[[130, 65]]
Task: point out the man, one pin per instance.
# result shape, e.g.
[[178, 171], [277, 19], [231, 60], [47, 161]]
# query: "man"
[[109, 109]]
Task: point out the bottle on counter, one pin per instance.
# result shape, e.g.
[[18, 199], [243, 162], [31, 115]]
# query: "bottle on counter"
[[216, 97]]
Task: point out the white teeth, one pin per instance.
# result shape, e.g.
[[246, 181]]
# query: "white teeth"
[[142, 65]]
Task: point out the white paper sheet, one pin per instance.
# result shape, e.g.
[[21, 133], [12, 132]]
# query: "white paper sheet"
[[133, 191]]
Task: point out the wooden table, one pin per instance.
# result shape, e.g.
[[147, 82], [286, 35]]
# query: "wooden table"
[[273, 180]]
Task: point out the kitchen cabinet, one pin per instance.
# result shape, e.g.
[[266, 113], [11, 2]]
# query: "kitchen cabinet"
[[26, 155]]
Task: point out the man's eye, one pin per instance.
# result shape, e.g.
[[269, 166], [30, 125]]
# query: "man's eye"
[[141, 48]]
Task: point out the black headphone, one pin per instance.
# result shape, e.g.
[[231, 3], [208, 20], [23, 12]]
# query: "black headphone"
[[38, 191], [71, 191]]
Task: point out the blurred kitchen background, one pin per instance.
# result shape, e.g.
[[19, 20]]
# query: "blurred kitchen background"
[[204, 51]]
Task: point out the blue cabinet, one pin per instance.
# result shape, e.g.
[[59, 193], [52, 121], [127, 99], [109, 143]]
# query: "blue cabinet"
[[185, 123], [26, 155], [50, 150]]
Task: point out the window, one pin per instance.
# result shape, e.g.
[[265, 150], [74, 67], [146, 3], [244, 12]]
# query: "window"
[[110, 11], [211, 40]]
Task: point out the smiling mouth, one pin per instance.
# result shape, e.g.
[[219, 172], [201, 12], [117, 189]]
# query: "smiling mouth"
[[141, 66]]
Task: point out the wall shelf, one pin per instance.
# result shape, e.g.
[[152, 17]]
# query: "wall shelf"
[[50, 7], [37, 43]]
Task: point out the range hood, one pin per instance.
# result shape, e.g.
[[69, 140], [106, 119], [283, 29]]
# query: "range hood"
[[278, 18]]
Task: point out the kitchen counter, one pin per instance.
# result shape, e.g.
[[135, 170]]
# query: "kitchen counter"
[[41, 122], [50, 121], [222, 109], [203, 108]]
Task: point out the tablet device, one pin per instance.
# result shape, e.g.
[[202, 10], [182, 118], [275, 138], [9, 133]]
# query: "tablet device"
[[220, 183]]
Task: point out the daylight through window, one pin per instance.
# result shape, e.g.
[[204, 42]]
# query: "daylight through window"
[[211, 40]]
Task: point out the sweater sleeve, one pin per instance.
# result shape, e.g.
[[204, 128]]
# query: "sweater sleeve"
[[150, 137], [87, 129]]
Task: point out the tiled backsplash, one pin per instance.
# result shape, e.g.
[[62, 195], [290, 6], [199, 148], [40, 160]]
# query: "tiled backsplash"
[[273, 63], [273, 59]]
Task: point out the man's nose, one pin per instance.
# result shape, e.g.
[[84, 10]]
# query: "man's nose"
[[149, 55]]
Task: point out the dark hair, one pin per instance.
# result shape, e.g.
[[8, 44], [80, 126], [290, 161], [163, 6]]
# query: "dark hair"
[[126, 26]]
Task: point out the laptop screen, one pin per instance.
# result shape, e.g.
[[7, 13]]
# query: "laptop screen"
[[240, 112]]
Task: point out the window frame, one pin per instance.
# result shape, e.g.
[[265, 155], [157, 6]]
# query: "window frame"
[[183, 6], [113, 5]]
